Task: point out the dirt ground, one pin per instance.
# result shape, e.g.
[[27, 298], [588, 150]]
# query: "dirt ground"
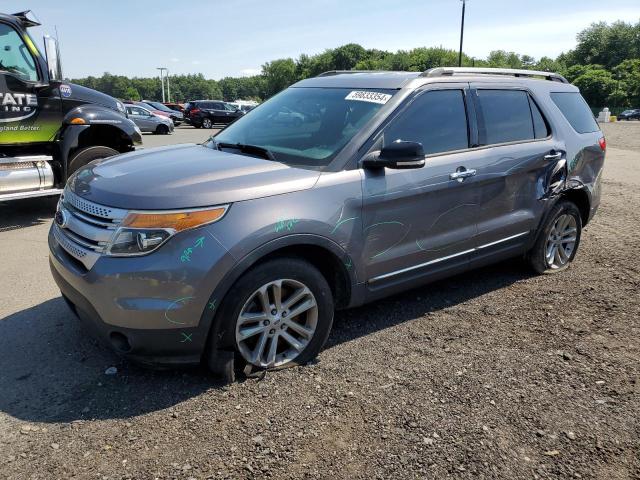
[[493, 374]]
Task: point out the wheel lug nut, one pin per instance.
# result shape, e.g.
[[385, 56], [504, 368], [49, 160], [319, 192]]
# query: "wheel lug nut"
[[272, 331], [266, 322], [284, 314], [283, 326], [274, 312]]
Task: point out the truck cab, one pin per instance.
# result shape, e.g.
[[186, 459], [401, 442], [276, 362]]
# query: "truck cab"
[[49, 127]]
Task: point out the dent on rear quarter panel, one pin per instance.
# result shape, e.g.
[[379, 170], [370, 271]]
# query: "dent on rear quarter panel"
[[331, 210]]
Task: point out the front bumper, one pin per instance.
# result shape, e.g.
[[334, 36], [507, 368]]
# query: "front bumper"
[[154, 309]]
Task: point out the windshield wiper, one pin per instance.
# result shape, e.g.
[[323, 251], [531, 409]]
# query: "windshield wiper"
[[245, 147]]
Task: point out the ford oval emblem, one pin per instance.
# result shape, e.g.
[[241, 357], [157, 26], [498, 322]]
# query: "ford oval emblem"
[[61, 218]]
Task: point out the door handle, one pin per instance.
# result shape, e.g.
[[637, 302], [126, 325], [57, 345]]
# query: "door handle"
[[460, 175], [553, 156]]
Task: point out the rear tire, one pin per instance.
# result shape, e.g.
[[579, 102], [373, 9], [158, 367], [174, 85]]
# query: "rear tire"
[[295, 334], [86, 155], [558, 240], [207, 123]]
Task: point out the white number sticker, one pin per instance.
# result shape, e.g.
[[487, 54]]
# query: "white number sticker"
[[372, 97]]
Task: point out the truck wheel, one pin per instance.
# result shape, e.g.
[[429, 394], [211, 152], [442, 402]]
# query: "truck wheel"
[[558, 241], [278, 314], [162, 130], [207, 123], [86, 155]]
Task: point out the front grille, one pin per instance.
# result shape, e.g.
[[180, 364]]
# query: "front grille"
[[88, 227]]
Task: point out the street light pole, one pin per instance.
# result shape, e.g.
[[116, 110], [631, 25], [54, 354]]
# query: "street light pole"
[[161, 80], [168, 88], [461, 33]]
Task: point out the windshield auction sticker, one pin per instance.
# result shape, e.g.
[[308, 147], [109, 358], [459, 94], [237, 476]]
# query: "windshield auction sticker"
[[365, 96]]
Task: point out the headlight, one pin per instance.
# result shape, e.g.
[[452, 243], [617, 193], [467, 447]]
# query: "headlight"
[[143, 232]]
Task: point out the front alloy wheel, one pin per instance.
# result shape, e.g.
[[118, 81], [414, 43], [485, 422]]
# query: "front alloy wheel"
[[276, 323], [207, 123]]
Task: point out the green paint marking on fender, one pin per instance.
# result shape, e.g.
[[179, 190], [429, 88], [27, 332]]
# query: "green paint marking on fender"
[[287, 224], [173, 306], [212, 305], [342, 222], [186, 337], [199, 243]]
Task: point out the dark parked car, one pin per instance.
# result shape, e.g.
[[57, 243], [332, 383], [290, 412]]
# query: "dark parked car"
[[240, 249], [177, 117], [630, 115], [207, 113], [146, 106]]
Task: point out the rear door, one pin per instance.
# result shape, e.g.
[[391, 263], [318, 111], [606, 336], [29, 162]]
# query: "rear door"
[[517, 153], [423, 221]]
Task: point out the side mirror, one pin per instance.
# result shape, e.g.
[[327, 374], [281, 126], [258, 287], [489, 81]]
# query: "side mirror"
[[52, 53], [398, 155]]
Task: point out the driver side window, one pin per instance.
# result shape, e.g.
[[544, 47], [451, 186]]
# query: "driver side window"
[[437, 119], [15, 57]]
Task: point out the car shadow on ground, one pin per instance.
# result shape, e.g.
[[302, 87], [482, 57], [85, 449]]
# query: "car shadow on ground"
[[26, 213], [53, 371]]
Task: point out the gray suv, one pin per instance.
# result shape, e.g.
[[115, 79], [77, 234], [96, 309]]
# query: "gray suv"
[[238, 251]]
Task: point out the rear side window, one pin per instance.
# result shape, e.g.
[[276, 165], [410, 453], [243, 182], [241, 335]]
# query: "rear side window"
[[576, 111], [504, 116], [436, 119]]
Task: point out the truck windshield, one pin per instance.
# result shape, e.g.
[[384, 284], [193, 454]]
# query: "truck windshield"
[[305, 127]]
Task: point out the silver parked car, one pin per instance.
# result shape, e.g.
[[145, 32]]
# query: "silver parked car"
[[240, 249], [149, 122]]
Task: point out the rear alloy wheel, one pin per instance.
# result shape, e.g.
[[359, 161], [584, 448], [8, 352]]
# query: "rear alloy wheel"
[[207, 123], [558, 241]]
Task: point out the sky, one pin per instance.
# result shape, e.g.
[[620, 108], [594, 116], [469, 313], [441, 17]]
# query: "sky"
[[221, 38]]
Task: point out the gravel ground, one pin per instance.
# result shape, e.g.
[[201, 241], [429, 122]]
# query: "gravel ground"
[[492, 374]]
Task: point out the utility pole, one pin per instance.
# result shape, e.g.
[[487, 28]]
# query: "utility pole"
[[168, 88], [161, 80], [461, 33]]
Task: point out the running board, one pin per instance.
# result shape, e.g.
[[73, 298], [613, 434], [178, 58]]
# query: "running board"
[[32, 194]]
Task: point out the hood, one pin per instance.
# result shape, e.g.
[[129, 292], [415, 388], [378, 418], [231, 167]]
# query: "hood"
[[185, 176], [80, 94]]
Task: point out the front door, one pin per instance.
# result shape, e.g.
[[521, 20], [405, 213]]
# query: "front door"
[[30, 111], [422, 221]]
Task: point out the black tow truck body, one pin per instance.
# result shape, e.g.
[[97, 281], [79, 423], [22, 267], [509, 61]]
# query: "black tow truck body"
[[48, 127]]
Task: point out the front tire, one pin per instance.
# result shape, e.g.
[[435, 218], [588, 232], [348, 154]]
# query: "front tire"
[[207, 123], [86, 155], [278, 314], [162, 130], [558, 241]]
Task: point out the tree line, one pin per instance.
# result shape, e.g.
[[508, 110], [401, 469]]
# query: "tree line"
[[605, 65]]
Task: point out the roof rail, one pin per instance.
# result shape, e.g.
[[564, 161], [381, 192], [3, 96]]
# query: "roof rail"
[[340, 72], [449, 71]]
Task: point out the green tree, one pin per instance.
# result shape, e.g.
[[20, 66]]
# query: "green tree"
[[596, 85], [279, 74]]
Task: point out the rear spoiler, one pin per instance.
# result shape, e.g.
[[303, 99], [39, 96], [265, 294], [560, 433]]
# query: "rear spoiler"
[[25, 20]]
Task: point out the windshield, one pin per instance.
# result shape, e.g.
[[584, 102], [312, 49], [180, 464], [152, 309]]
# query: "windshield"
[[306, 127], [159, 106]]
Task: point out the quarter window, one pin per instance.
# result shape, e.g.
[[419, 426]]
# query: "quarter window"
[[15, 57], [540, 128], [576, 111], [504, 116], [437, 119]]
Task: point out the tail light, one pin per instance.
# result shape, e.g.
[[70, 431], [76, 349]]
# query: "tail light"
[[194, 111], [603, 143]]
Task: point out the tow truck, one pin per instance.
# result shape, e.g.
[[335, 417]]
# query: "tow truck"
[[49, 128]]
